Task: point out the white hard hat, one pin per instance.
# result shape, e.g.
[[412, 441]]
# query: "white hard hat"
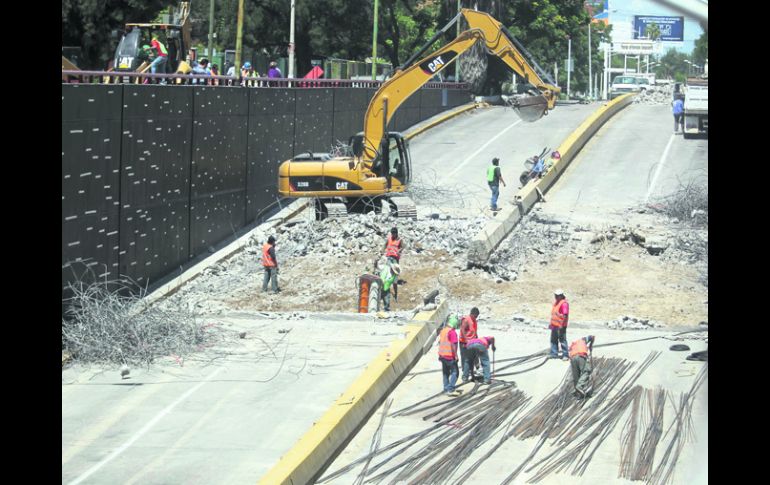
[[395, 268], [558, 292]]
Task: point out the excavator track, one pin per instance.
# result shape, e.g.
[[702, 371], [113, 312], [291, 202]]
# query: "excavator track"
[[403, 207]]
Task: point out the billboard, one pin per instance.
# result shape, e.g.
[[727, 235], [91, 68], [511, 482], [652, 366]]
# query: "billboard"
[[671, 28]]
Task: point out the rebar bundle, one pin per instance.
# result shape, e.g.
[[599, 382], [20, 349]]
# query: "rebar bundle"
[[108, 322]]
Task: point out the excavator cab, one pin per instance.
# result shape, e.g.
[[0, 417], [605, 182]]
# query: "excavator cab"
[[395, 162]]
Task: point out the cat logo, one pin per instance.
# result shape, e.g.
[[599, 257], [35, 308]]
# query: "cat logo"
[[342, 186], [436, 64]]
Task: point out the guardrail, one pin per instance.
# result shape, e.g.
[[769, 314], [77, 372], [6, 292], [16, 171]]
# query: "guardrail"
[[112, 77]]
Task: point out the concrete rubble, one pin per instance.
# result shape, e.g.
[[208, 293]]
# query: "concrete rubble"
[[658, 95]]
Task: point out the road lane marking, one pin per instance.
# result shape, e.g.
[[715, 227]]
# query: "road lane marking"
[[659, 169], [464, 162], [144, 429]]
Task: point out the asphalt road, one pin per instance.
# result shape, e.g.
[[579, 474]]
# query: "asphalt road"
[[450, 160]]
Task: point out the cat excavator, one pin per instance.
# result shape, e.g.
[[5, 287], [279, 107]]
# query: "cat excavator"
[[377, 163]]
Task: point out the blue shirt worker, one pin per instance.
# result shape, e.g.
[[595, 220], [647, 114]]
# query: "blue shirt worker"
[[678, 110]]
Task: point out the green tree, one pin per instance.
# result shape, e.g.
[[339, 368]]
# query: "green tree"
[[653, 31], [89, 25], [672, 65], [701, 51]]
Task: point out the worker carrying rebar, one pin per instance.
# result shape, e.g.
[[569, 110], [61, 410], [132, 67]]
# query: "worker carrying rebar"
[[579, 353], [468, 331], [478, 348], [447, 355]]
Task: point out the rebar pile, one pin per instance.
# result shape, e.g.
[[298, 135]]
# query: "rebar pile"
[[462, 425], [683, 432], [637, 466], [103, 325]]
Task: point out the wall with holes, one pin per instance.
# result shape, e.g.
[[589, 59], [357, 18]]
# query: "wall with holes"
[[154, 176]]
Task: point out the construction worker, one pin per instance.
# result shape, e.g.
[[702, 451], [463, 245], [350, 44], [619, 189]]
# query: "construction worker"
[[393, 246], [581, 367], [494, 177], [270, 263], [477, 348], [447, 355], [389, 276], [558, 326], [161, 56], [468, 331]]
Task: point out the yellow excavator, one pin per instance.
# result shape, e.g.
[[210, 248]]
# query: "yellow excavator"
[[378, 163]]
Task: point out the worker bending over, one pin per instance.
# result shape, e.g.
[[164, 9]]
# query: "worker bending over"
[[447, 355], [579, 352], [478, 348]]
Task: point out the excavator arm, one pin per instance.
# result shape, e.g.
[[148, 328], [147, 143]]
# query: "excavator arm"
[[409, 77]]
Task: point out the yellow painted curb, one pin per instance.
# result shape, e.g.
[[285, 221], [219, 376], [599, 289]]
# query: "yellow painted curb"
[[316, 449], [494, 231]]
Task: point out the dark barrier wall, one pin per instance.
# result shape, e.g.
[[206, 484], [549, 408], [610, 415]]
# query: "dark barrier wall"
[[153, 176]]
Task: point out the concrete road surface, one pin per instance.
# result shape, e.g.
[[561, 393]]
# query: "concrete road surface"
[[227, 415], [634, 159], [450, 160]]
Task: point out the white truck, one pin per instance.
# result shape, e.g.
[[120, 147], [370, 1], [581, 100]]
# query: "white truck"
[[696, 107]]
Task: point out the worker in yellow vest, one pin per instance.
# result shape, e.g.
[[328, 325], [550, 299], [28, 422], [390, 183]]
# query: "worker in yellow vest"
[[447, 355], [579, 352]]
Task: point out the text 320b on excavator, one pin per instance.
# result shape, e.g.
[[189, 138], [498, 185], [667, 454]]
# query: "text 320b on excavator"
[[378, 165]]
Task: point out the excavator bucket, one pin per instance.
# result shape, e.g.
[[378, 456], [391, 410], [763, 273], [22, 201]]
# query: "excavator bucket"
[[530, 108]]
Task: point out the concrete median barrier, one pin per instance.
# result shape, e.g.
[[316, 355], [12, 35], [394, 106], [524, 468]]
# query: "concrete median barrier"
[[318, 447], [490, 236]]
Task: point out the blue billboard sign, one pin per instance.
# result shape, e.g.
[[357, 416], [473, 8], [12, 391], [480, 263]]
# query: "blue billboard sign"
[[671, 28]]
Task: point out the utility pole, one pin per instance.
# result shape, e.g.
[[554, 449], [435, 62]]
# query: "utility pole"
[[569, 61], [239, 39], [211, 30], [590, 78], [291, 42], [374, 42], [457, 62]]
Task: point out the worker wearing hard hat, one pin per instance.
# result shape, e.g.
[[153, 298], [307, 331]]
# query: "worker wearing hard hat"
[[579, 352], [447, 355], [558, 326], [389, 275]]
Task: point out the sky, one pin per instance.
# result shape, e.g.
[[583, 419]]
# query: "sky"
[[621, 14]]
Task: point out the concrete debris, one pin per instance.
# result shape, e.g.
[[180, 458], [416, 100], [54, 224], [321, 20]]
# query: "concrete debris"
[[656, 96], [614, 258], [628, 322]]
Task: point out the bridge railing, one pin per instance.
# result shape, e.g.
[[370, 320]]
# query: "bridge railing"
[[112, 77]]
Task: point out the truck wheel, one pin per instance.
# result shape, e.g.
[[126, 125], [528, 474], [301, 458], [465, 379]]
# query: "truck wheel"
[[374, 298]]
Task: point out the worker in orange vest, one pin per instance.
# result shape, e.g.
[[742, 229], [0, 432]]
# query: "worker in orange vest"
[[478, 348], [579, 352], [393, 246], [270, 263], [468, 331], [447, 355], [558, 326]]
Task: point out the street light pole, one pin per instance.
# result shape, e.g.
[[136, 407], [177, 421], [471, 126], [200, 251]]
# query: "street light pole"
[[374, 43], [457, 62], [590, 77], [211, 30], [239, 38], [291, 42], [569, 61]]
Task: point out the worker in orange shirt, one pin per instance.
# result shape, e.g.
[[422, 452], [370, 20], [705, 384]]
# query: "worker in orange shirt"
[[579, 352], [558, 326], [270, 263], [468, 331], [447, 355]]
